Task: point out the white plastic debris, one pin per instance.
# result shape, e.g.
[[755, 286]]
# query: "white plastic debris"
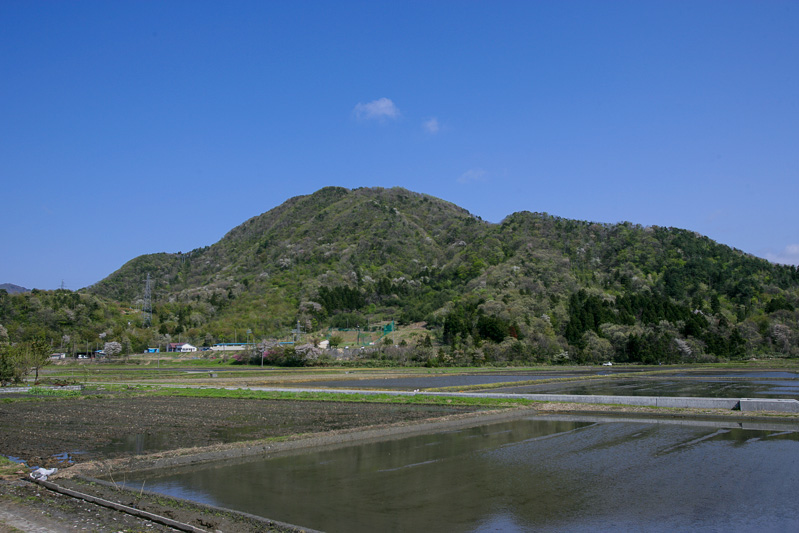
[[41, 474]]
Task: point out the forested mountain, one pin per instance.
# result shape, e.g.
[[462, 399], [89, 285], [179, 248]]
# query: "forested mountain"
[[532, 288]]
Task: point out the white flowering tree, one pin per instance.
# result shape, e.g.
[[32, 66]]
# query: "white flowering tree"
[[112, 348]]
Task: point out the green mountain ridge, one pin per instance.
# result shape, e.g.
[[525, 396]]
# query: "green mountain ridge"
[[534, 287], [364, 228]]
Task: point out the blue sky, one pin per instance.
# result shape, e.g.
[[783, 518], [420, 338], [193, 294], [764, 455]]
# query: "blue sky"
[[137, 127]]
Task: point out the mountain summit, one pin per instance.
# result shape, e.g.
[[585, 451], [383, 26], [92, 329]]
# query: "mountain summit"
[[328, 236]]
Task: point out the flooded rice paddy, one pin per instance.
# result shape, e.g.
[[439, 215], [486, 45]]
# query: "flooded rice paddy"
[[692, 387], [605, 381], [548, 473], [432, 381], [429, 382]]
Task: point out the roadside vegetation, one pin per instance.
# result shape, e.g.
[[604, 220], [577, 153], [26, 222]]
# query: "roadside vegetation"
[[19, 360]]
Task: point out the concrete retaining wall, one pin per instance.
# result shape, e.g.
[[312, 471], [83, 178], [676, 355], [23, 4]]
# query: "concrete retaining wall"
[[21, 390], [769, 404]]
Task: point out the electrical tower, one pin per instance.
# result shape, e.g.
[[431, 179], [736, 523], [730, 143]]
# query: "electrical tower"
[[147, 306], [297, 333]]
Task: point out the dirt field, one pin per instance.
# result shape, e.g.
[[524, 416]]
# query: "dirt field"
[[89, 429]]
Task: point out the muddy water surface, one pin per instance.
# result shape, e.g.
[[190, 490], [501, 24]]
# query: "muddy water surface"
[[542, 473], [692, 387], [426, 382]]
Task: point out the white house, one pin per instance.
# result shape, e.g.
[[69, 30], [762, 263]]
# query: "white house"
[[186, 347]]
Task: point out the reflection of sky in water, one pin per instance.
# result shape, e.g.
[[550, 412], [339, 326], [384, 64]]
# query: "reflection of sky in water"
[[543, 474], [702, 388], [695, 388], [427, 382], [452, 380], [737, 374], [718, 384]]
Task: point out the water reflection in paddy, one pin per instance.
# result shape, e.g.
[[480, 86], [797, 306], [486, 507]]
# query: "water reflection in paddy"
[[770, 374], [542, 473], [713, 384], [703, 388], [445, 380], [426, 382]]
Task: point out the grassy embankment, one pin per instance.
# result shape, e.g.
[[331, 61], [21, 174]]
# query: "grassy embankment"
[[489, 403], [8, 467]]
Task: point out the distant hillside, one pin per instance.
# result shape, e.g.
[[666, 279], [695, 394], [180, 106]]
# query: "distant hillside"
[[10, 288], [340, 257], [335, 232], [533, 288]]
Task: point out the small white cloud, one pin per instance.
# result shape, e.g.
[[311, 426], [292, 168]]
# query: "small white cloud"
[[379, 109], [788, 256], [473, 175], [431, 126]]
